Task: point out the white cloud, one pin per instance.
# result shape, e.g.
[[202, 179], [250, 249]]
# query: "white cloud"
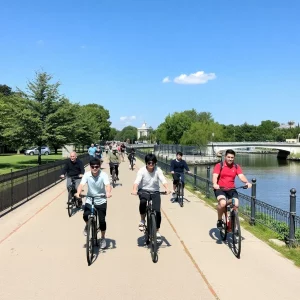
[[166, 80], [195, 78], [199, 77], [125, 118]]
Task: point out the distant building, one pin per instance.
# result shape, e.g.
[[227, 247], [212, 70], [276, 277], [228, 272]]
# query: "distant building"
[[287, 126], [144, 131]]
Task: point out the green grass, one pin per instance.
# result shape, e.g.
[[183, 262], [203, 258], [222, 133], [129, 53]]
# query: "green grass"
[[17, 162]]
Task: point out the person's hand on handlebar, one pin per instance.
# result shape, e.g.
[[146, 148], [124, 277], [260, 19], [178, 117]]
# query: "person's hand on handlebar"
[[77, 195], [172, 172], [62, 176], [108, 195], [216, 186], [134, 192], [167, 192], [248, 184]]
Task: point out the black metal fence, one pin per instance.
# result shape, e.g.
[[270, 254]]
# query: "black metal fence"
[[16, 187], [285, 223]]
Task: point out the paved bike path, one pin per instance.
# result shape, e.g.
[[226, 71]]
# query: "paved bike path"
[[45, 257]]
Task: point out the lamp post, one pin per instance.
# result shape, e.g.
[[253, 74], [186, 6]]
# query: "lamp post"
[[212, 143]]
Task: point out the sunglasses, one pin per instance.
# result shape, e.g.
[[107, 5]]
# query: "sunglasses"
[[95, 167], [150, 163]]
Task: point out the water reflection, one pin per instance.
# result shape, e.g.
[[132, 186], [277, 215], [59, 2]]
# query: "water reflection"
[[274, 177]]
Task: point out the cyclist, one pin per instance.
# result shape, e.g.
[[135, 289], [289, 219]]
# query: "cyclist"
[[73, 168], [92, 151], [106, 149], [114, 161], [98, 153], [131, 156], [224, 174], [122, 148], [148, 178], [98, 183], [177, 168]]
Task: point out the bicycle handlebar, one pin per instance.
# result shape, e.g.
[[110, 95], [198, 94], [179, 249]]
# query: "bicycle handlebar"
[[236, 188], [151, 193], [94, 196]]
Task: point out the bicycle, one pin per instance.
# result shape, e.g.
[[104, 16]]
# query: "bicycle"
[[72, 200], [92, 230], [113, 176], [150, 225], [179, 190], [231, 223], [131, 161]]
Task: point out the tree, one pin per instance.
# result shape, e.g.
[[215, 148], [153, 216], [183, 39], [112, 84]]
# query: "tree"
[[5, 90], [112, 134], [92, 124], [128, 132], [176, 125], [201, 133], [43, 100]]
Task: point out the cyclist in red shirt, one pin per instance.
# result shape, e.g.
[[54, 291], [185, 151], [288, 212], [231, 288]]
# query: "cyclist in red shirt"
[[224, 174]]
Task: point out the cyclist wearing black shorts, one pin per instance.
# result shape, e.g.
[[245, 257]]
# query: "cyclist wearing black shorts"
[[224, 174], [131, 156], [177, 168]]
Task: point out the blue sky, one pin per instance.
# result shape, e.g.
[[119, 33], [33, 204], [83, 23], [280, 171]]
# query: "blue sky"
[[245, 56]]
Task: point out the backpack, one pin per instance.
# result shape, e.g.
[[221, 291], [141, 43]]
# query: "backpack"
[[221, 167]]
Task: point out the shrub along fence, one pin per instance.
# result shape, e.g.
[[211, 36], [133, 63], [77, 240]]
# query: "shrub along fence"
[[285, 223], [20, 186]]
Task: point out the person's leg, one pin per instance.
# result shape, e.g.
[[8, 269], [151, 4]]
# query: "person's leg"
[[222, 201], [156, 203], [142, 210], [101, 216], [86, 213], [117, 171]]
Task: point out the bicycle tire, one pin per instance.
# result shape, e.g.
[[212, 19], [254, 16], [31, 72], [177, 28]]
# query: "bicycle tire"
[[70, 204], [90, 243], [223, 232], [180, 196], [147, 230], [153, 231], [113, 178], [236, 234], [131, 163]]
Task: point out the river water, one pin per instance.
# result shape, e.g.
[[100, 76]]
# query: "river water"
[[274, 177]]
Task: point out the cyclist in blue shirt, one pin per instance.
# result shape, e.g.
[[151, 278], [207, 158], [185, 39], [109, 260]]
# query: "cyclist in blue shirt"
[[92, 151], [178, 166]]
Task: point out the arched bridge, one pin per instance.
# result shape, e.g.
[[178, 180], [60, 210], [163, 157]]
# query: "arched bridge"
[[284, 148]]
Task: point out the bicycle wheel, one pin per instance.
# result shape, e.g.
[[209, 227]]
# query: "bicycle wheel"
[[153, 231], [90, 240], [180, 194], [236, 234], [147, 230], [70, 203], [131, 163], [113, 178], [223, 231]]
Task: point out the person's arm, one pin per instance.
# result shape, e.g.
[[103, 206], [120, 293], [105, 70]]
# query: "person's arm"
[[186, 167], [243, 178], [64, 170], [82, 171], [81, 185], [172, 167], [137, 181], [216, 173], [163, 180], [107, 186]]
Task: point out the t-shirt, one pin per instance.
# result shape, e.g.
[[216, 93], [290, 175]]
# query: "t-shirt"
[[228, 174], [73, 168], [179, 166], [150, 180], [114, 158], [92, 151], [96, 186]]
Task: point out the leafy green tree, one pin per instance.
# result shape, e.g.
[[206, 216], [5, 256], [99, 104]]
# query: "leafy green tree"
[[201, 133], [176, 125], [112, 134], [128, 132], [5, 90]]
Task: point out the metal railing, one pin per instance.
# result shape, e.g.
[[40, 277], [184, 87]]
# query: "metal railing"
[[186, 150], [17, 187], [285, 223]]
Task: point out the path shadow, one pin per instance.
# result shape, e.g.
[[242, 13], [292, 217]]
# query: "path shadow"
[[164, 242], [214, 233], [174, 200], [110, 245]]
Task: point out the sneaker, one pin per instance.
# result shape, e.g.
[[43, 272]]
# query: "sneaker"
[[85, 230], [158, 237], [117, 178], [220, 224], [142, 226], [102, 243]]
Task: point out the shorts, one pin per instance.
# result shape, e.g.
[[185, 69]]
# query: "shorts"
[[227, 194], [176, 178]]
